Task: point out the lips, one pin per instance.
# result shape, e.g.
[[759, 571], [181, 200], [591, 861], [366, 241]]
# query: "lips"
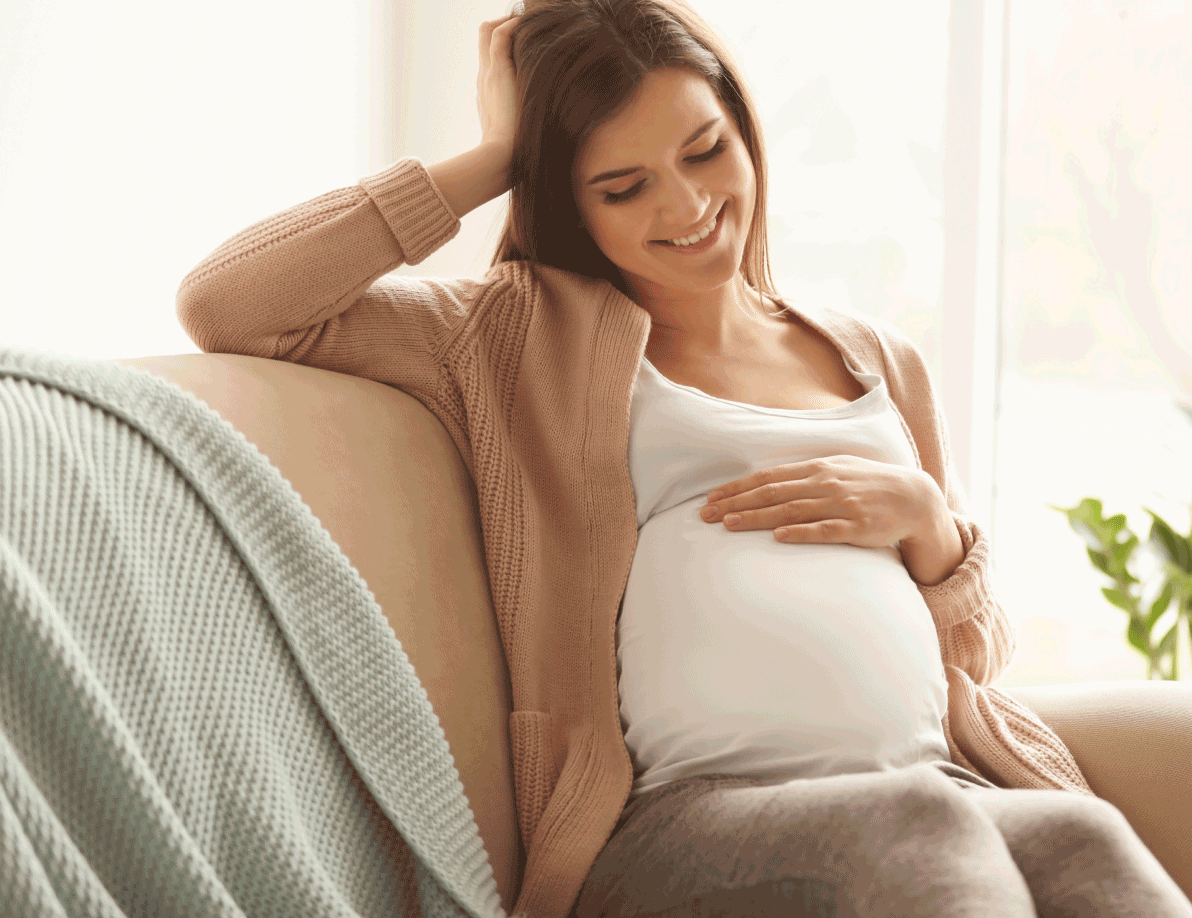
[[699, 226]]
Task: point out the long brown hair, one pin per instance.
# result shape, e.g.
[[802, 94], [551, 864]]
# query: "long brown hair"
[[577, 62]]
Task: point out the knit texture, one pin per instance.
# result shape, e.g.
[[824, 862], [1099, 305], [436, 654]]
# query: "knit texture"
[[203, 710], [530, 369]]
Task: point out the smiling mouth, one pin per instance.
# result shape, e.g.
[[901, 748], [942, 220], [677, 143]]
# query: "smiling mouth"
[[719, 217]]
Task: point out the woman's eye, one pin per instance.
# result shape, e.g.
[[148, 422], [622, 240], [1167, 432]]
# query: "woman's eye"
[[612, 197]]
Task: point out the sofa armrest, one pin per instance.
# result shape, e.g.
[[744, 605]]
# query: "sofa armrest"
[[383, 476], [1133, 741]]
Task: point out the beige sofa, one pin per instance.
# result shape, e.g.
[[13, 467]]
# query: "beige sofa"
[[384, 478]]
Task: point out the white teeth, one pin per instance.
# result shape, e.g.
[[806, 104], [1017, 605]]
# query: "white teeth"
[[695, 237]]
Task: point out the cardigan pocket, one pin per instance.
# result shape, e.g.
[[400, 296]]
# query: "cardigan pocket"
[[534, 771]]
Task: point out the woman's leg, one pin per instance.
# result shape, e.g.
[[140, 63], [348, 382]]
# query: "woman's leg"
[[876, 844], [1079, 856]]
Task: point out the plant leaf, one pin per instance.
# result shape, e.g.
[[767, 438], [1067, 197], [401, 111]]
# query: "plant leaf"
[[1139, 636], [1180, 582], [1121, 552], [1167, 645], [1085, 518], [1100, 561], [1090, 507], [1122, 600], [1116, 523], [1159, 606], [1169, 542]]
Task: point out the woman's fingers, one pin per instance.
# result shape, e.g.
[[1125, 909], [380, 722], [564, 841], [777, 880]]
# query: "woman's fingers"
[[798, 510], [486, 37], [487, 29]]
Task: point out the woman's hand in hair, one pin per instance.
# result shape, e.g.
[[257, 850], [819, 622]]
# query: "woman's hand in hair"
[[496, 85]]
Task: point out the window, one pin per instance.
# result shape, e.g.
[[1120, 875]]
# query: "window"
[[1096, 322]]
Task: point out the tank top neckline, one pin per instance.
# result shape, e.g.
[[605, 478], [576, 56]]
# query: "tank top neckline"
[[835, 411]]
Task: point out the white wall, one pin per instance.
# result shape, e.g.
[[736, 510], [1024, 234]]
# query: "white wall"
[[439, 113], [139, 135]]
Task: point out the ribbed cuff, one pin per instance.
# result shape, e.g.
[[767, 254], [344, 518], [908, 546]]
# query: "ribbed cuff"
[[966, 591], [414, 208]]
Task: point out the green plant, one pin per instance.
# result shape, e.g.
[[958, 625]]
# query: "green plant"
[[1111, 546]]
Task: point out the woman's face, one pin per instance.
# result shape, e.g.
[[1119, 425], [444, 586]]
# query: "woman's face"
[[679, 183]]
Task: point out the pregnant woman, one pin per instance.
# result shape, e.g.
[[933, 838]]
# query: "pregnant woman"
[[750, 630]]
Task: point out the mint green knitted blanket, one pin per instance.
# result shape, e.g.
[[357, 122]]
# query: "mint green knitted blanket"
[[203, 710]]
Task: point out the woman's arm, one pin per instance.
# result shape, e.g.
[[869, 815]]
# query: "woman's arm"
[[305, 285], [472, 178]]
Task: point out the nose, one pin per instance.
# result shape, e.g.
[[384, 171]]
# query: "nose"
[[689, 200]]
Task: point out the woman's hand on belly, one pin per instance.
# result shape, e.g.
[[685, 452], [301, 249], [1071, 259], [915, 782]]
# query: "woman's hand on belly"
[[841, 499]]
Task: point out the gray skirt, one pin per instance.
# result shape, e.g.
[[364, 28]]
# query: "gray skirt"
[[929, 839]]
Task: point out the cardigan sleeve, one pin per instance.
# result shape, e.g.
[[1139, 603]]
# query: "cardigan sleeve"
[[311, 284], [973, 631]]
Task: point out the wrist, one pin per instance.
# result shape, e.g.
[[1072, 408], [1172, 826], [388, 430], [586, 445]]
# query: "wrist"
[[471, 179], [933, 553], [499, 155]]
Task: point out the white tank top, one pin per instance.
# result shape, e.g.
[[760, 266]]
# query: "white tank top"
[[740, 654]]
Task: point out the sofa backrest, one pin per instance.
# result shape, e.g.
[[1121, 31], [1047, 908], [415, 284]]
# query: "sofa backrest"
[[384, 478]]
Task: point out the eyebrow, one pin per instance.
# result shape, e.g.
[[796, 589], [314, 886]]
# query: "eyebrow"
[[617, 173]]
